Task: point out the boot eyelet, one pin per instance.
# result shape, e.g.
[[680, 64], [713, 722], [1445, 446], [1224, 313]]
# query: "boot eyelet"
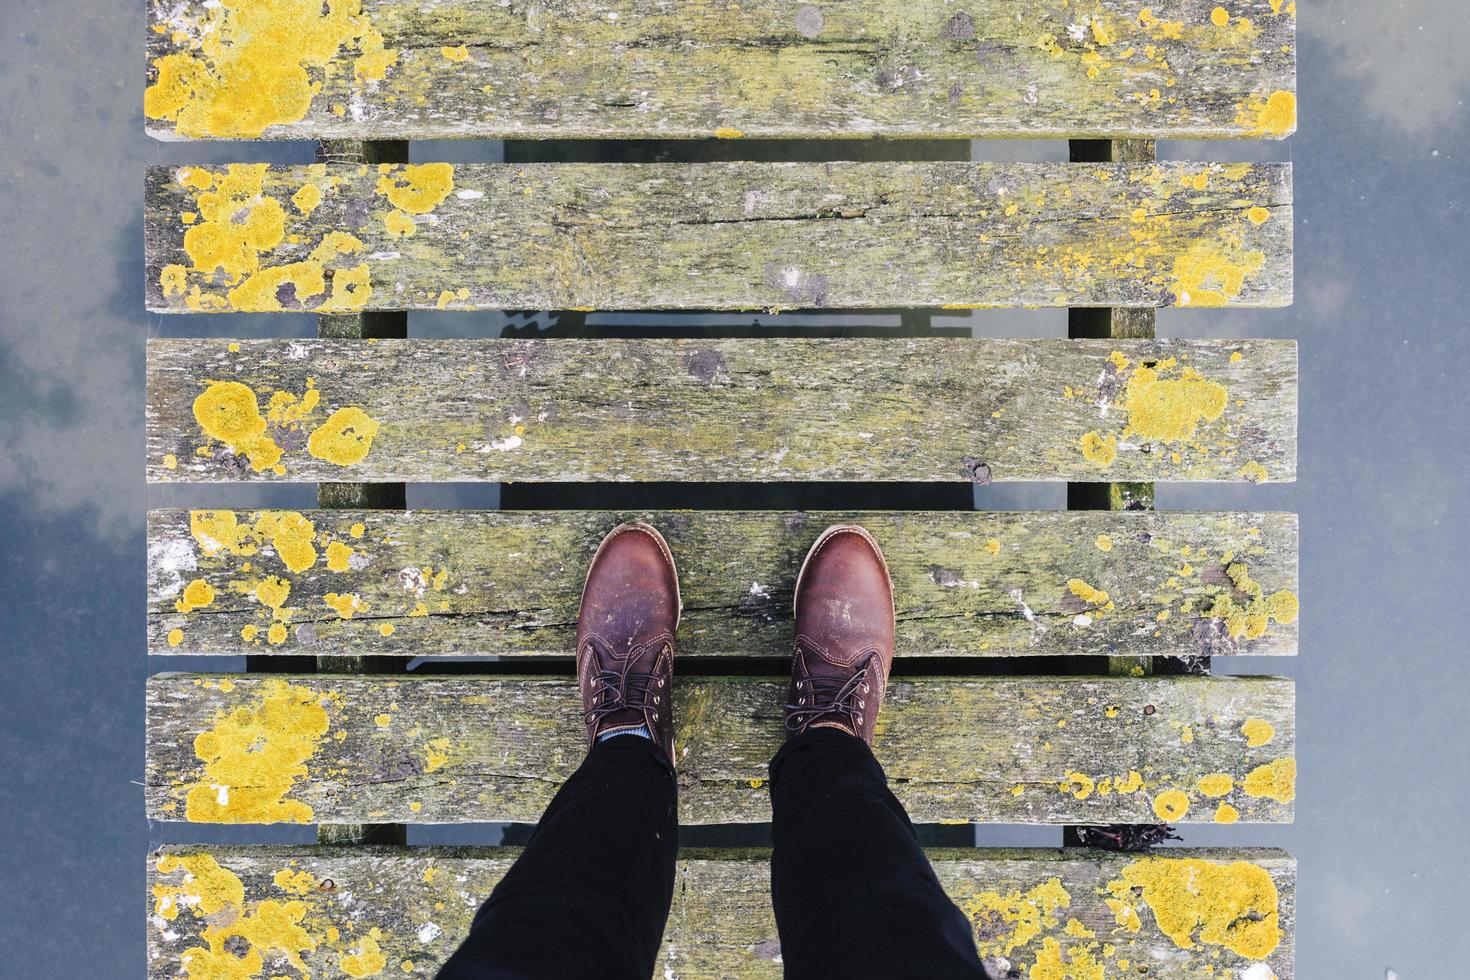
[[655, 699], [801, 700], [862, 704], [860, 719], [655, 716], [865, 689]]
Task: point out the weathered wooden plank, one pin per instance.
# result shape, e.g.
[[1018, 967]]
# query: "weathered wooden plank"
[[495, 582], [329, 749], [721, 410], [416, 69], [336, 239], [1195, 914]]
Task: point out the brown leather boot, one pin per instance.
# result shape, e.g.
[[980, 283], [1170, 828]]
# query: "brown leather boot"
[[625, 636], [844, 635]]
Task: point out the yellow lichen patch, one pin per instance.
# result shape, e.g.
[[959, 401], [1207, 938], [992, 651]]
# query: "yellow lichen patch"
[[291, 534], [1007, 921], [728, 133], [459, 53], [197, 595], [1103, 542], [383, 720], [1275, 116], [263, 291], [1080, 785], [339, 557], [228, 412], [1171, 805], [240, 221], [1219, 16], [307, 199], [1205, 902], [276, 635], [416, 188], [1087, 593], [1098, 448], [252, 63], [175, 637], [1252, 618], [1078, 963], [286, 410], [357, 530], [294, 881], [1225, 813], [436, 754], [344, 605], [1163, 407], [351, 289], [205, 888], [1283, 606], [174, 279], [386, 629], [254, 754], [345, 438], [1132, 784], [368, 959], [1274, 780], [1254, 472], [272, 591], [1216, 784], [249, 632], [399, 223], [1212, 274], [1258, 215], [219, 530], [1257, 732], [272, 928]]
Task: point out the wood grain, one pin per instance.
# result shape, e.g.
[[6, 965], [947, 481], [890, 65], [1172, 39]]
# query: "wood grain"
[[966, 584], [717, 236], [750, 410], [617, 69], [344, 749]]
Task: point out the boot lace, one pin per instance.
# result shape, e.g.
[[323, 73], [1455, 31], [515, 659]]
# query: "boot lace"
[[620, 688], [819, 696]]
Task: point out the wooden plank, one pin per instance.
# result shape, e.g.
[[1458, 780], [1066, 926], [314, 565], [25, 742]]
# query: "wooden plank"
[[434, 69], [343, 749], [509, 583], [340, 239], [416, 905], [927, 409]]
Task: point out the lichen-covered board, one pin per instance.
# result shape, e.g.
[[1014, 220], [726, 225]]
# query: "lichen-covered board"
[[1184, 914], [248, 748], [620, 69], [495, 582], [928, 409], [340, 238]]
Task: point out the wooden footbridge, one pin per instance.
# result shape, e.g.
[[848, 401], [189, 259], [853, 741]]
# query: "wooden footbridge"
[[1109, 612]]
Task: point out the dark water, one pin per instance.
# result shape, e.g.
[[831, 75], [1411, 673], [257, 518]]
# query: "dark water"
[[1382, 260]]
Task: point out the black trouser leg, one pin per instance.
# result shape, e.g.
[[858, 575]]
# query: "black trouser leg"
[[854, 894], [590, 894]]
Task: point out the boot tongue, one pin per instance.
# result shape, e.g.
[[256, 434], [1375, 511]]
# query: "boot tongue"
[[627, 718], [833, 679]]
